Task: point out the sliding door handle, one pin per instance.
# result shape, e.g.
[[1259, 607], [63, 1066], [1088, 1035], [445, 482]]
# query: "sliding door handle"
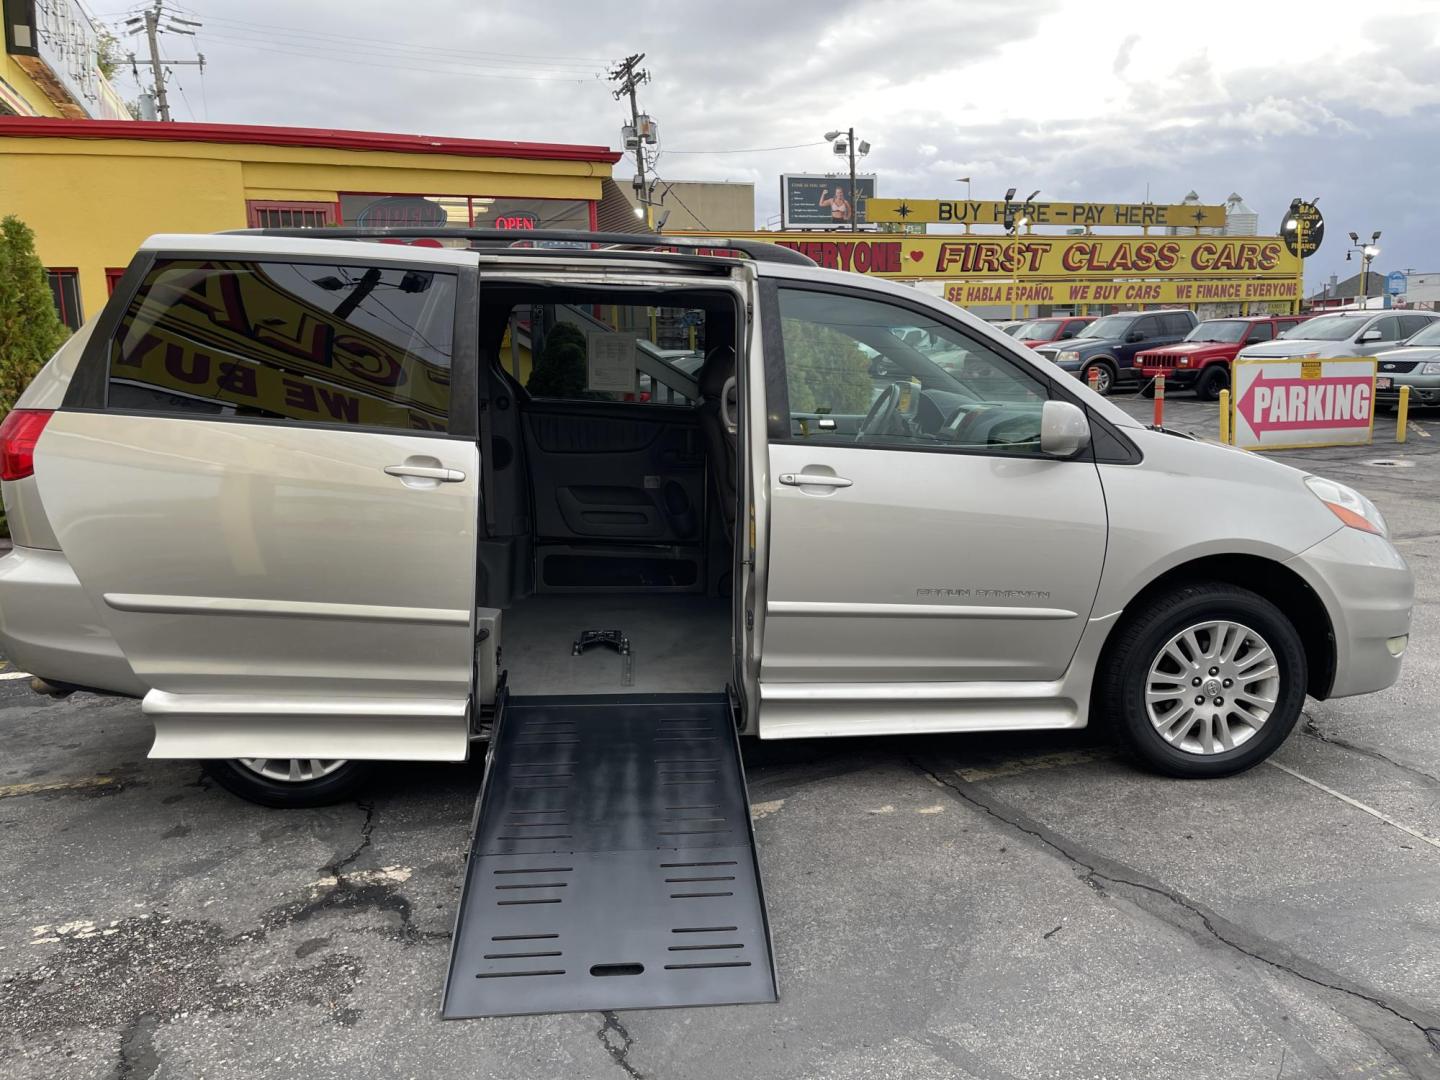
[[805, 479], [426, 472]]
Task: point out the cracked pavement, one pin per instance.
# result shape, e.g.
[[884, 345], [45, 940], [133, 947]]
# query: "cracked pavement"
[[1013, 907]]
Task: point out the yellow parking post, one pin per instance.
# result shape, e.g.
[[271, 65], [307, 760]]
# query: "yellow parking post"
[[1402, 416], [1225, 417]]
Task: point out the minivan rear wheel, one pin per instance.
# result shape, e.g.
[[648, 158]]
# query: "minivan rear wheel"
[[1206, 681], [290, 782]]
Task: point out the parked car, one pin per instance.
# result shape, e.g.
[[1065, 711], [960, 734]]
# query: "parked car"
[[290, 492], [1343, 333], [1415, 364], [1008, 326], [1057, 328], [1108, 346], [1202, 360]]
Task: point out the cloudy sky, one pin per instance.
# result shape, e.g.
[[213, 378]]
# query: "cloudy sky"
[[1103, 100]]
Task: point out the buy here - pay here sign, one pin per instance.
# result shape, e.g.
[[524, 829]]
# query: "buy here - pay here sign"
[[1288, 403]]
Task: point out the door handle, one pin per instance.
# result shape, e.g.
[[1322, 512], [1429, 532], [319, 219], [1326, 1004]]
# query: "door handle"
[[805, 479], [426, 472]]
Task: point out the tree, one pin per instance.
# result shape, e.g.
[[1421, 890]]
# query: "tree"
[[107, 54], [825, 371], [30, 329], [560, 368]]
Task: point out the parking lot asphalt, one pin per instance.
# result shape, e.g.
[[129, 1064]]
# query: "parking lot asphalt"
[[1018, 906]]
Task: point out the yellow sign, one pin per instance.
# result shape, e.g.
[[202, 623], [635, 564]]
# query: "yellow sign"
[[972, 293], [992, 212], [893, 255]]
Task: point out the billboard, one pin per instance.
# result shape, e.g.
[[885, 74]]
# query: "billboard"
[[1051, 258], [1215, 291], [1286, 403], [818, 201]]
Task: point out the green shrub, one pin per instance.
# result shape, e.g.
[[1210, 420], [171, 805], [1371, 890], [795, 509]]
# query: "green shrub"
[[30, 329], [560, 368], [826, 371]]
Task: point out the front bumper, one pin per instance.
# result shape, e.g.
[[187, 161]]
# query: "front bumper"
[[1175, 378], [1424, 389], [1368, 592]]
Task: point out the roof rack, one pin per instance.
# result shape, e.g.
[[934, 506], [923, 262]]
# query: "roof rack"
[[759, 250]]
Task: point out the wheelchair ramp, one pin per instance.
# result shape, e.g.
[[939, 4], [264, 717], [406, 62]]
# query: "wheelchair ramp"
[[612, 864]]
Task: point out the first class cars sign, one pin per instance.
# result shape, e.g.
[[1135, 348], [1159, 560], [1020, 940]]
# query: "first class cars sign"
[[1045, 257], [1289, 403]]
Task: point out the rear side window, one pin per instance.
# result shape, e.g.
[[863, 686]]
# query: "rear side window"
[[324, 343], [1177, 322]]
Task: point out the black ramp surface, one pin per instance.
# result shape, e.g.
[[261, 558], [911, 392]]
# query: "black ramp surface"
[[612, 865]]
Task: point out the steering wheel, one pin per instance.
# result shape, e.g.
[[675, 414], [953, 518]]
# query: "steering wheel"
[[884, 410]]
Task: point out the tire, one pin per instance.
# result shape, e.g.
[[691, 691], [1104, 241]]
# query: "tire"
[[1196, 747], [342, 781], [1212, 380], [1106, 380]]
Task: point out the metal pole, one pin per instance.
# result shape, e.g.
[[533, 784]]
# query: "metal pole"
[[854, 198], [152, 26], [1225, 417], [1299, 260], [1402, 417]]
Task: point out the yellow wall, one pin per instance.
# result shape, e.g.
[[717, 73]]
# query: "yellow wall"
[[92, 201], [20, 81]]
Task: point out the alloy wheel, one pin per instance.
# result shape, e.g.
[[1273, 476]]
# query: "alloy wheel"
[[1212, 687], [292, 770]]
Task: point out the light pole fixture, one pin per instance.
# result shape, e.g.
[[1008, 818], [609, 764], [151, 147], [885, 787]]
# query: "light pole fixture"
[[1368, 251], [1017, 216], [843, 142]]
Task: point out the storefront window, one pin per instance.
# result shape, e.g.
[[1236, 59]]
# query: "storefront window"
[[463, 211]]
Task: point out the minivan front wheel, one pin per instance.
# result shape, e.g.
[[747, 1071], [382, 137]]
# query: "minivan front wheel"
[[1204, 682], [290, 782], [1104, 376]]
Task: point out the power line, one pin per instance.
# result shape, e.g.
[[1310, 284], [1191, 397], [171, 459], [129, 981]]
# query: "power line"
[[367, 52], [271, 29], [750, 149], [670, 190], [348, 57]]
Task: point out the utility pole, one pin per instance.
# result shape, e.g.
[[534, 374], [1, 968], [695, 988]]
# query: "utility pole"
[[854, 195], [149, 20], [641, 128]]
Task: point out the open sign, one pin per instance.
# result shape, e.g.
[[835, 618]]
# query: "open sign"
[[516, 219]]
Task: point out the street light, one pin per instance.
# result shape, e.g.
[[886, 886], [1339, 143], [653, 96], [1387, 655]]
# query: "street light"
[[1013, 224], [844, 143], [1368, 251]]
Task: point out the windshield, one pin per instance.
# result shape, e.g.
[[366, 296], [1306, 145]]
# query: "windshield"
[[1039, 330], [1326, 328], [1429, 336], [1111, 326], [1218, 330], [1011, 328]]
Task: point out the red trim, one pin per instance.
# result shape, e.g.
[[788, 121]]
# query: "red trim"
[[594, 217], [324, 138], [112, 278]]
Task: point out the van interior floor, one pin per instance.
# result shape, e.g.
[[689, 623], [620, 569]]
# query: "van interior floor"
[[678, 642]]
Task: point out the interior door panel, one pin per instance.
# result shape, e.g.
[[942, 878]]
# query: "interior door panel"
[[608, 478]]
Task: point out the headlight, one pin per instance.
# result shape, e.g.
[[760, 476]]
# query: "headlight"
[[1347, 504], [1430, 369], [1069, 356], [1184, 361]]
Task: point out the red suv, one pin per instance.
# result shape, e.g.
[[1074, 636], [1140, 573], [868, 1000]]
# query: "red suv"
[[1059, 328], [1202, 360]]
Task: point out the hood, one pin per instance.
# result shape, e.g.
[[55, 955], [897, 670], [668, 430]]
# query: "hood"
[[1414, 354], [1190, 348], [1293, 347], [1085, 344]]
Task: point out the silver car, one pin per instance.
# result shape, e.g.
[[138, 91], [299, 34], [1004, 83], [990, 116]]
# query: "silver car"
[[1344, 333], [320, 502], [1415, 364]]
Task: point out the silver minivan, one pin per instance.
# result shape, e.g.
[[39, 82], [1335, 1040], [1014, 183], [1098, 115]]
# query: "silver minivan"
[[323, 501]]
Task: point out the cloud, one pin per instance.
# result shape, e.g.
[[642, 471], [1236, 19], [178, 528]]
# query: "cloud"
[[1122, 55]]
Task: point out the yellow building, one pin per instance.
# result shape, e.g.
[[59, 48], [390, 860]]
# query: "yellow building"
[[93, 190]]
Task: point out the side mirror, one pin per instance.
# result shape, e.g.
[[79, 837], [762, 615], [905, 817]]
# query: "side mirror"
[[1369, 335], [1134, 335], [1064, 431], [1064, 334]]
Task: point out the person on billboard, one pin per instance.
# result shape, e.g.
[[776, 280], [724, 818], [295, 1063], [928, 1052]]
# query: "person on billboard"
[[840, 208]]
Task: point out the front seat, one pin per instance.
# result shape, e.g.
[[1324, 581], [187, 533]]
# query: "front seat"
[[717, 397]]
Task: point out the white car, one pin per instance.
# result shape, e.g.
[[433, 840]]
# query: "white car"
[[308, 498], [1345, 333]]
